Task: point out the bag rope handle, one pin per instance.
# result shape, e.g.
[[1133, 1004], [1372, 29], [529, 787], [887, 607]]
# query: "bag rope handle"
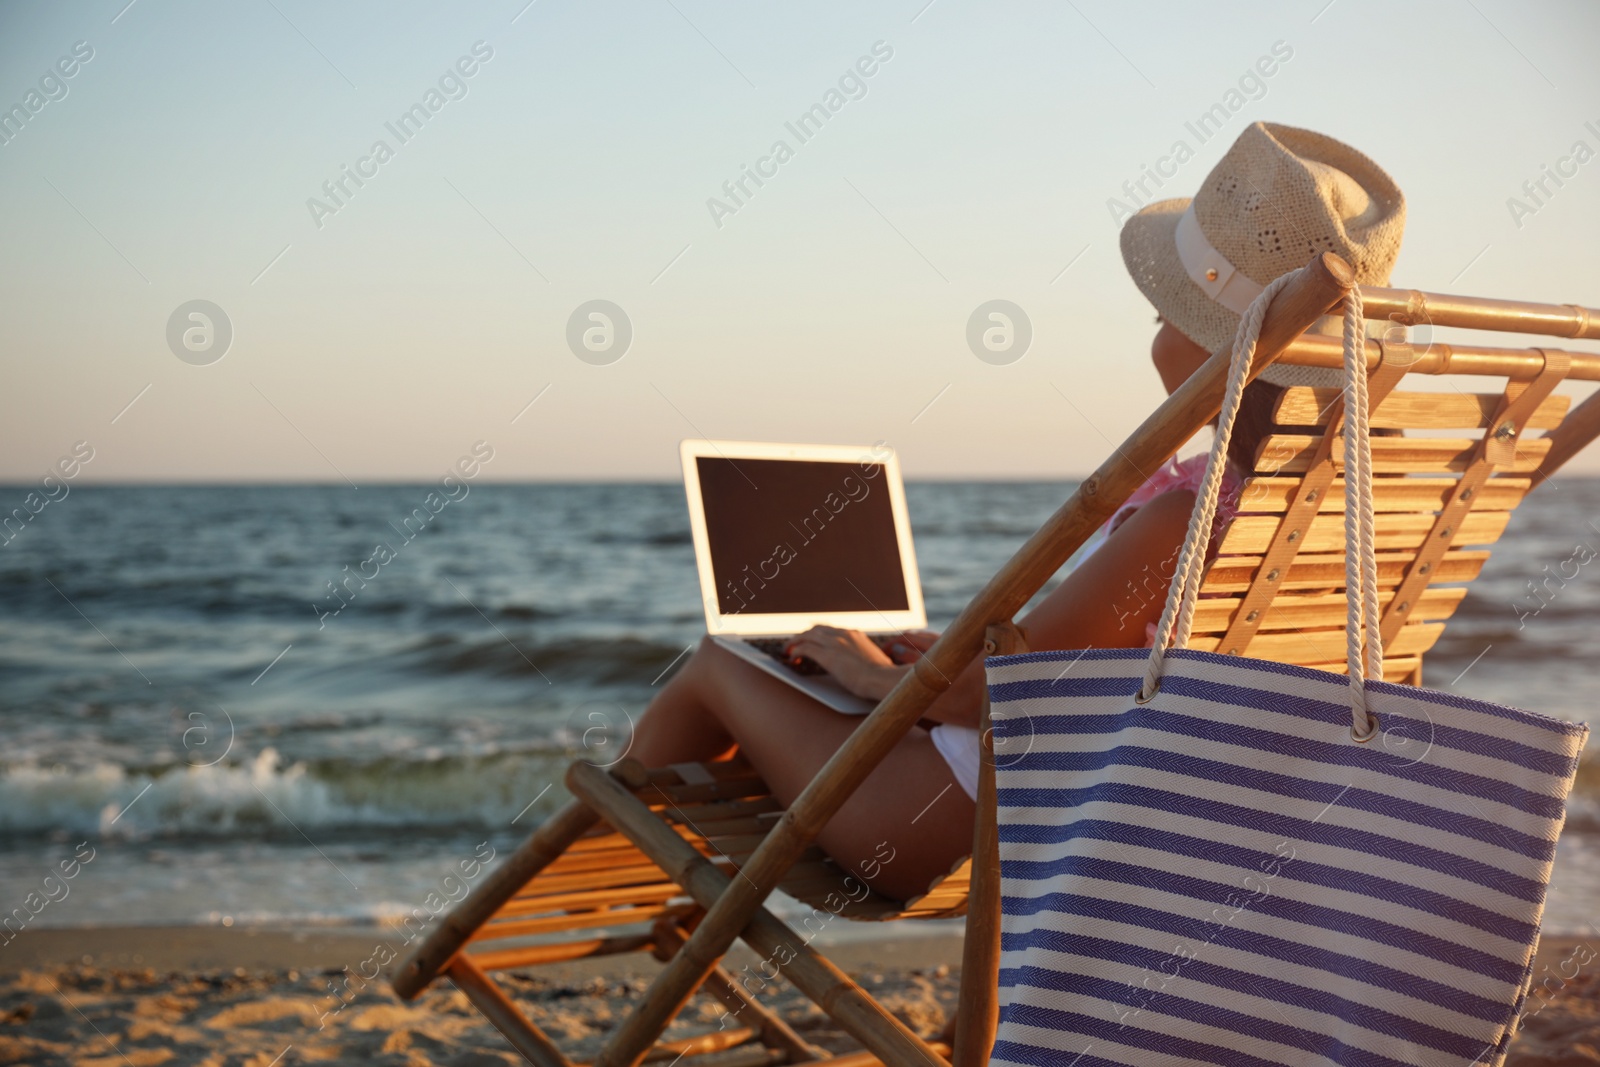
[[1362, 619], [1360, 566]]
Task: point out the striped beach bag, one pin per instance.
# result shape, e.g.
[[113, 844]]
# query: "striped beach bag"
[[1212, 859]]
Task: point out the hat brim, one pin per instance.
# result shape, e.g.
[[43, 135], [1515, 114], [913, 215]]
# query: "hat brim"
[[1150, 252]]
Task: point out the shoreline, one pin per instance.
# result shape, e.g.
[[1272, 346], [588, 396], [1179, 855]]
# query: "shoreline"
[[207, 948]]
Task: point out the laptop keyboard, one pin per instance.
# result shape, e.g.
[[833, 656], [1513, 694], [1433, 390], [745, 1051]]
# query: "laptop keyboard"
[[774, 647]]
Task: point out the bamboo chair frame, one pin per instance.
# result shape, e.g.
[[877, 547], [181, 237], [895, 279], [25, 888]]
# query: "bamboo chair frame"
[[647, 807]]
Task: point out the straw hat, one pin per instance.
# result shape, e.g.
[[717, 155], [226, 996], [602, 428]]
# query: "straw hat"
[[1279, 196]]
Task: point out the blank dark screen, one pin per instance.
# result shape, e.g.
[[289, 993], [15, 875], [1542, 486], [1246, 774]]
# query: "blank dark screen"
[[801, 536]]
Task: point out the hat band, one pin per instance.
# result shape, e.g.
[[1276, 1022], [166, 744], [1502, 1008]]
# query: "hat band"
[[1210, 269]]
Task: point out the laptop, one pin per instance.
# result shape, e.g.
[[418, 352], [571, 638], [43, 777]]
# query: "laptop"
[[787, 537]]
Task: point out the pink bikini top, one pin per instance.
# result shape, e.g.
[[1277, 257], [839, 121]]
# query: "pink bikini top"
[[1187, 474]]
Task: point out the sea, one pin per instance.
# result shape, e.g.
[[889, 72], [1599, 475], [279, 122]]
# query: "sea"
[[185, 701]]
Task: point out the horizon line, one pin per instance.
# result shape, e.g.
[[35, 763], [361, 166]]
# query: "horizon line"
[[266, 483]]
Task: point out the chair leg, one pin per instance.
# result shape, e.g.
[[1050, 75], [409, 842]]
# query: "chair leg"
[[978, 1010], [490, 999], [775, 1033], [827, 986], [543, 847]]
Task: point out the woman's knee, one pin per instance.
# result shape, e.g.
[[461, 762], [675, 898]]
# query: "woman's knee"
[[708, 658], [700, 667]]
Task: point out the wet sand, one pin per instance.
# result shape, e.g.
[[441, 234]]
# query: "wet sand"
[[145, 996]]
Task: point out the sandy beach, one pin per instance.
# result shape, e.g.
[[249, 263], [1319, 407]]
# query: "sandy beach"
[[145, 996]]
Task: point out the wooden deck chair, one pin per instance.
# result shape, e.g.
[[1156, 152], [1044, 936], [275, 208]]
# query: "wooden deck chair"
[[677, 862]]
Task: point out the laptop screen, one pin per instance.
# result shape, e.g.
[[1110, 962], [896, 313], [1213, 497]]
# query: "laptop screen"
[[800, 536]]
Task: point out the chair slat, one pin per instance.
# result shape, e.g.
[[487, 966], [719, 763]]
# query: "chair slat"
[[1233, 574], [598, 879], [1324, 646], [581, 920], [594, 845], [946, 893], [532, 955], [1292, 453], [1319, 612], [1271, 495], [1250, 534], [1302, 406], [654, 892], [595, 861], [1395, 668]]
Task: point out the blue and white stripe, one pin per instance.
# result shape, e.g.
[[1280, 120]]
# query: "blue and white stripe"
[[1223, 876]]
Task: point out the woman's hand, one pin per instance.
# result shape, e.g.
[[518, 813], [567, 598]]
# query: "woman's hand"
[[851, 657], [909, 646]]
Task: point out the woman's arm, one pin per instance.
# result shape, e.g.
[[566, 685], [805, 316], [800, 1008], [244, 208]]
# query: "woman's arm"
[[1115, 594], [1108, 601]]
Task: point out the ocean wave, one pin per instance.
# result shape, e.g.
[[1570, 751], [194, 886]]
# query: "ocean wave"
[[264, 796], [245, 596]]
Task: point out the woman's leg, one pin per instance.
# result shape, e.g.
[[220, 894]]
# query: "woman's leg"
[[909, 807]]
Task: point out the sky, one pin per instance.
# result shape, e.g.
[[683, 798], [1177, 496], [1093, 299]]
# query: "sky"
[[575, 153]]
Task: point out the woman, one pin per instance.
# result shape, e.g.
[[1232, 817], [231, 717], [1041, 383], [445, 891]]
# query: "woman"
[[1279, 196]]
